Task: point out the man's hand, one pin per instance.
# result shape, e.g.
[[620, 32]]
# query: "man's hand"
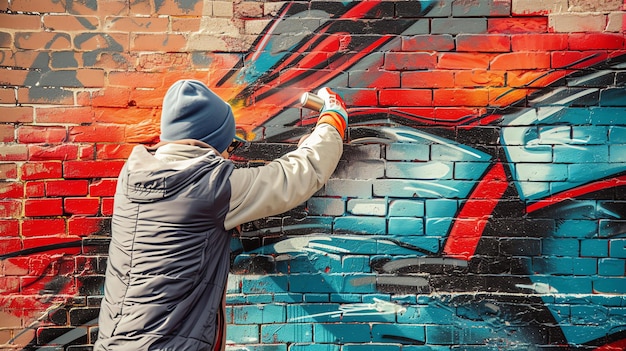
[[334, 111], [333, 103]]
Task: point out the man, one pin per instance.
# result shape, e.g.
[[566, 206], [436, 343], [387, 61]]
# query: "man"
[[174, 206]]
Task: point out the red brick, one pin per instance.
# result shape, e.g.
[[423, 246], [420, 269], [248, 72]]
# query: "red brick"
[[479, 78], [102, 8], [37, 6], [115, 61], [9, 227], [506, 96], [362, 98], [92, 169], [86, 226], [84, 98], [107, 206], [97, 133], [90, 77], [518, 25], [185, 24], [406, 97], [114, 42], [41, 170], [71, 23], [16, 114], [8, 245], [159, 42], [562, 59], [13, 190], [9, 285], [8, 171], [66, 187], [595, 41], [539, 42], [113, 151], [39, 40], [141, 8], [374, 79], [521, 60], [144, 133], [456, 113], [428, 42], [43, 227], [18, 21], [61, 152], [34, 134], [31, 59], [7, 94], [523, 78], [136, 80], [428, 79], [82, 206], [9, 152], [111, 97], [86, 153], [7, 58], [7, 133], [35, 189], [146, 98], [37, 242], [13, 76], [137, 24], [483, 43], [461, 97], [43, 207], [10, 209], [404, 61], [16, 265], [174, 61], [75, 115], [103, 187], [456, 60]]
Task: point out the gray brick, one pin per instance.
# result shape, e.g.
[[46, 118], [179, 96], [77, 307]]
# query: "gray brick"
[[326, 206], [472, 8], [366, 169], [348, 188], [458, 25], [420, 170]]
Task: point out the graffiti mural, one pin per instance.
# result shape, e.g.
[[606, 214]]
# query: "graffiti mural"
[[480, 203], [491, 229]]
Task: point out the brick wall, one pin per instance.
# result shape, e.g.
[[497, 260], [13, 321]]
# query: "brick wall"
[[480, 203]]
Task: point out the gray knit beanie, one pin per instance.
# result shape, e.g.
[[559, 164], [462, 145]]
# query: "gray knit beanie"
[[192, 111]]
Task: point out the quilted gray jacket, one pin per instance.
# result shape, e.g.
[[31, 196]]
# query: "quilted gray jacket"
[[169, 253]]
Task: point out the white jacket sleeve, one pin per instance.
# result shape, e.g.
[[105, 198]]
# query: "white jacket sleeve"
[[286, 182]]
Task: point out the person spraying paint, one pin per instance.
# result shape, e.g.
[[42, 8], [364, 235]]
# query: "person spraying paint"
[[174, 206]]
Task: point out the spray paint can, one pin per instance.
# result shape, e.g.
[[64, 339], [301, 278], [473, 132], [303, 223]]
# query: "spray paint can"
[[311, 101]]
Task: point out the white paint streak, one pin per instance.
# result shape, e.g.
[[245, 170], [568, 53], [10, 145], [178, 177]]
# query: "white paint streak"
[[416, 134], [378, 307], [540, 288]]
